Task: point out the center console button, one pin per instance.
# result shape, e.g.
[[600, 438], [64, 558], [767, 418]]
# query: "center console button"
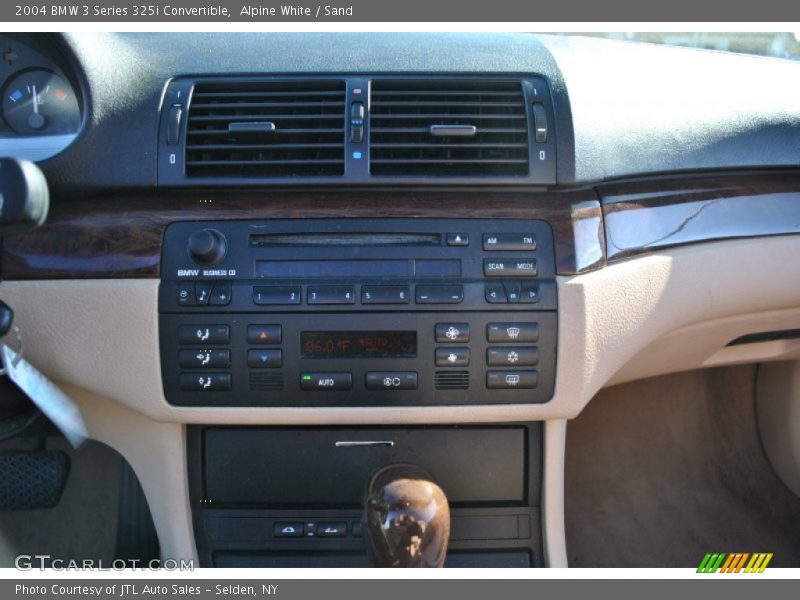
[[458, 239], [391, 380], [508, 241], [266, 358], [288, 529], [512, 291], [326, 381], [330, 294], [439, 294], [220, 294], [275, 294], [186, 295], [513, 356], [512, 332], [203, 292], [452, 333], [510, 267], [204, 334], [495, 293], [205, 382], [385, 294], [202, 358], [511, 380], [452, 357], [331, 529], [529, 292], [264, 334]]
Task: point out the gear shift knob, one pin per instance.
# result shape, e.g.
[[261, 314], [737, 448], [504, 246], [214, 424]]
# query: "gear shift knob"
[[406, 518]]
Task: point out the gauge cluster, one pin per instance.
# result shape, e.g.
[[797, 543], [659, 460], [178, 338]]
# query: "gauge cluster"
[[42, 108]]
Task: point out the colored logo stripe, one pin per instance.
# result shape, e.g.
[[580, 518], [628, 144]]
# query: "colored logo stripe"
[[734, 563]]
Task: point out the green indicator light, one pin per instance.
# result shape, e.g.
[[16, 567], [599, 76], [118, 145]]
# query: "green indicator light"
[[306, 377]]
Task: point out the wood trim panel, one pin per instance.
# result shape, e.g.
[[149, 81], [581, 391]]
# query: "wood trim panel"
[[660, 213], [120, 237]]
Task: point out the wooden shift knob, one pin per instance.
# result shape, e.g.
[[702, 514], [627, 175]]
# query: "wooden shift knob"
[[406, 518]]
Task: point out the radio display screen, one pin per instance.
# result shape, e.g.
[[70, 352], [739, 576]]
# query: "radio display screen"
[[358, 344]]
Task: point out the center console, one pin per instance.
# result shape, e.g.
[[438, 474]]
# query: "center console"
[[358, 313]]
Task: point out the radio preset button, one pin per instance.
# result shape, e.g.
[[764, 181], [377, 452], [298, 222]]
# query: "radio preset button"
[[268, 358], [391, 380], [439, 294], [264, 334], [452, 333], [274, 294], [510, 267], [326, 381], [511, 380], [330, 294], [204, 359], [205, 382], [385, 294], [458, 239], [507, 242], [452, 357], [512, 357], [512, 332], [204, 334]]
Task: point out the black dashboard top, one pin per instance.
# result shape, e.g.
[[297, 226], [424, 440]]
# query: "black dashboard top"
[[621, 109]]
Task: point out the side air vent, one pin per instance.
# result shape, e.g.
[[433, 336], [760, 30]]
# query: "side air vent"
[[448, 128], [266, 129]]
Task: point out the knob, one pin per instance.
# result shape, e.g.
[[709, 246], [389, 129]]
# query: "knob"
[[207, 246], [406, 518]]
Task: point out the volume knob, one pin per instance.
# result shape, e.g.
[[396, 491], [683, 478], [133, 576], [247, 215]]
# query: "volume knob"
[[207, 246]]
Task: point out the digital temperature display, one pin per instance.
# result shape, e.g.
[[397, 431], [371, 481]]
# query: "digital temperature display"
[[358, 344]]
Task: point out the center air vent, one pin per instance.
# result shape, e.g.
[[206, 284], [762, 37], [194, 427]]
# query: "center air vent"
[[448, 128], [266, 129]]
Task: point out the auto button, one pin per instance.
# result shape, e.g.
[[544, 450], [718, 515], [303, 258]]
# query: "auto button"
[[326, 381]]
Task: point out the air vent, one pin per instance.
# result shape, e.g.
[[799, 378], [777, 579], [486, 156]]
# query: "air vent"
[[266, 129], [452, 380], [448, 128], [266, 382]]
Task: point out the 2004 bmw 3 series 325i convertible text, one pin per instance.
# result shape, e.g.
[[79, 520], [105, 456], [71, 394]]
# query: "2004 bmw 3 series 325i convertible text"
[[341, 300]]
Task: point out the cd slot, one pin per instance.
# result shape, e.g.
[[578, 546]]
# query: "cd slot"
[[343, 240], [290, 269]]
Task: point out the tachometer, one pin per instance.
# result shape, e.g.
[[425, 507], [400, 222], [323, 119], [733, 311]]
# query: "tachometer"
[[39, 102]]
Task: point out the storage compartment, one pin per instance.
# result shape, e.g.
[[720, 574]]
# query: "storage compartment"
[[331, 466]]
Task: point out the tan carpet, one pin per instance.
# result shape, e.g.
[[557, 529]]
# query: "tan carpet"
[[661, 471]]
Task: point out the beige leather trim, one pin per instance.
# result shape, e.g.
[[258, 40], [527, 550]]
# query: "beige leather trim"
[[613, 320], [778, 411], [553, 530], [156, 452], [706, 345]]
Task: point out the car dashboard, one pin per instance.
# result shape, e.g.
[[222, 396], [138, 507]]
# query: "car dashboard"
[[277, 262]]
